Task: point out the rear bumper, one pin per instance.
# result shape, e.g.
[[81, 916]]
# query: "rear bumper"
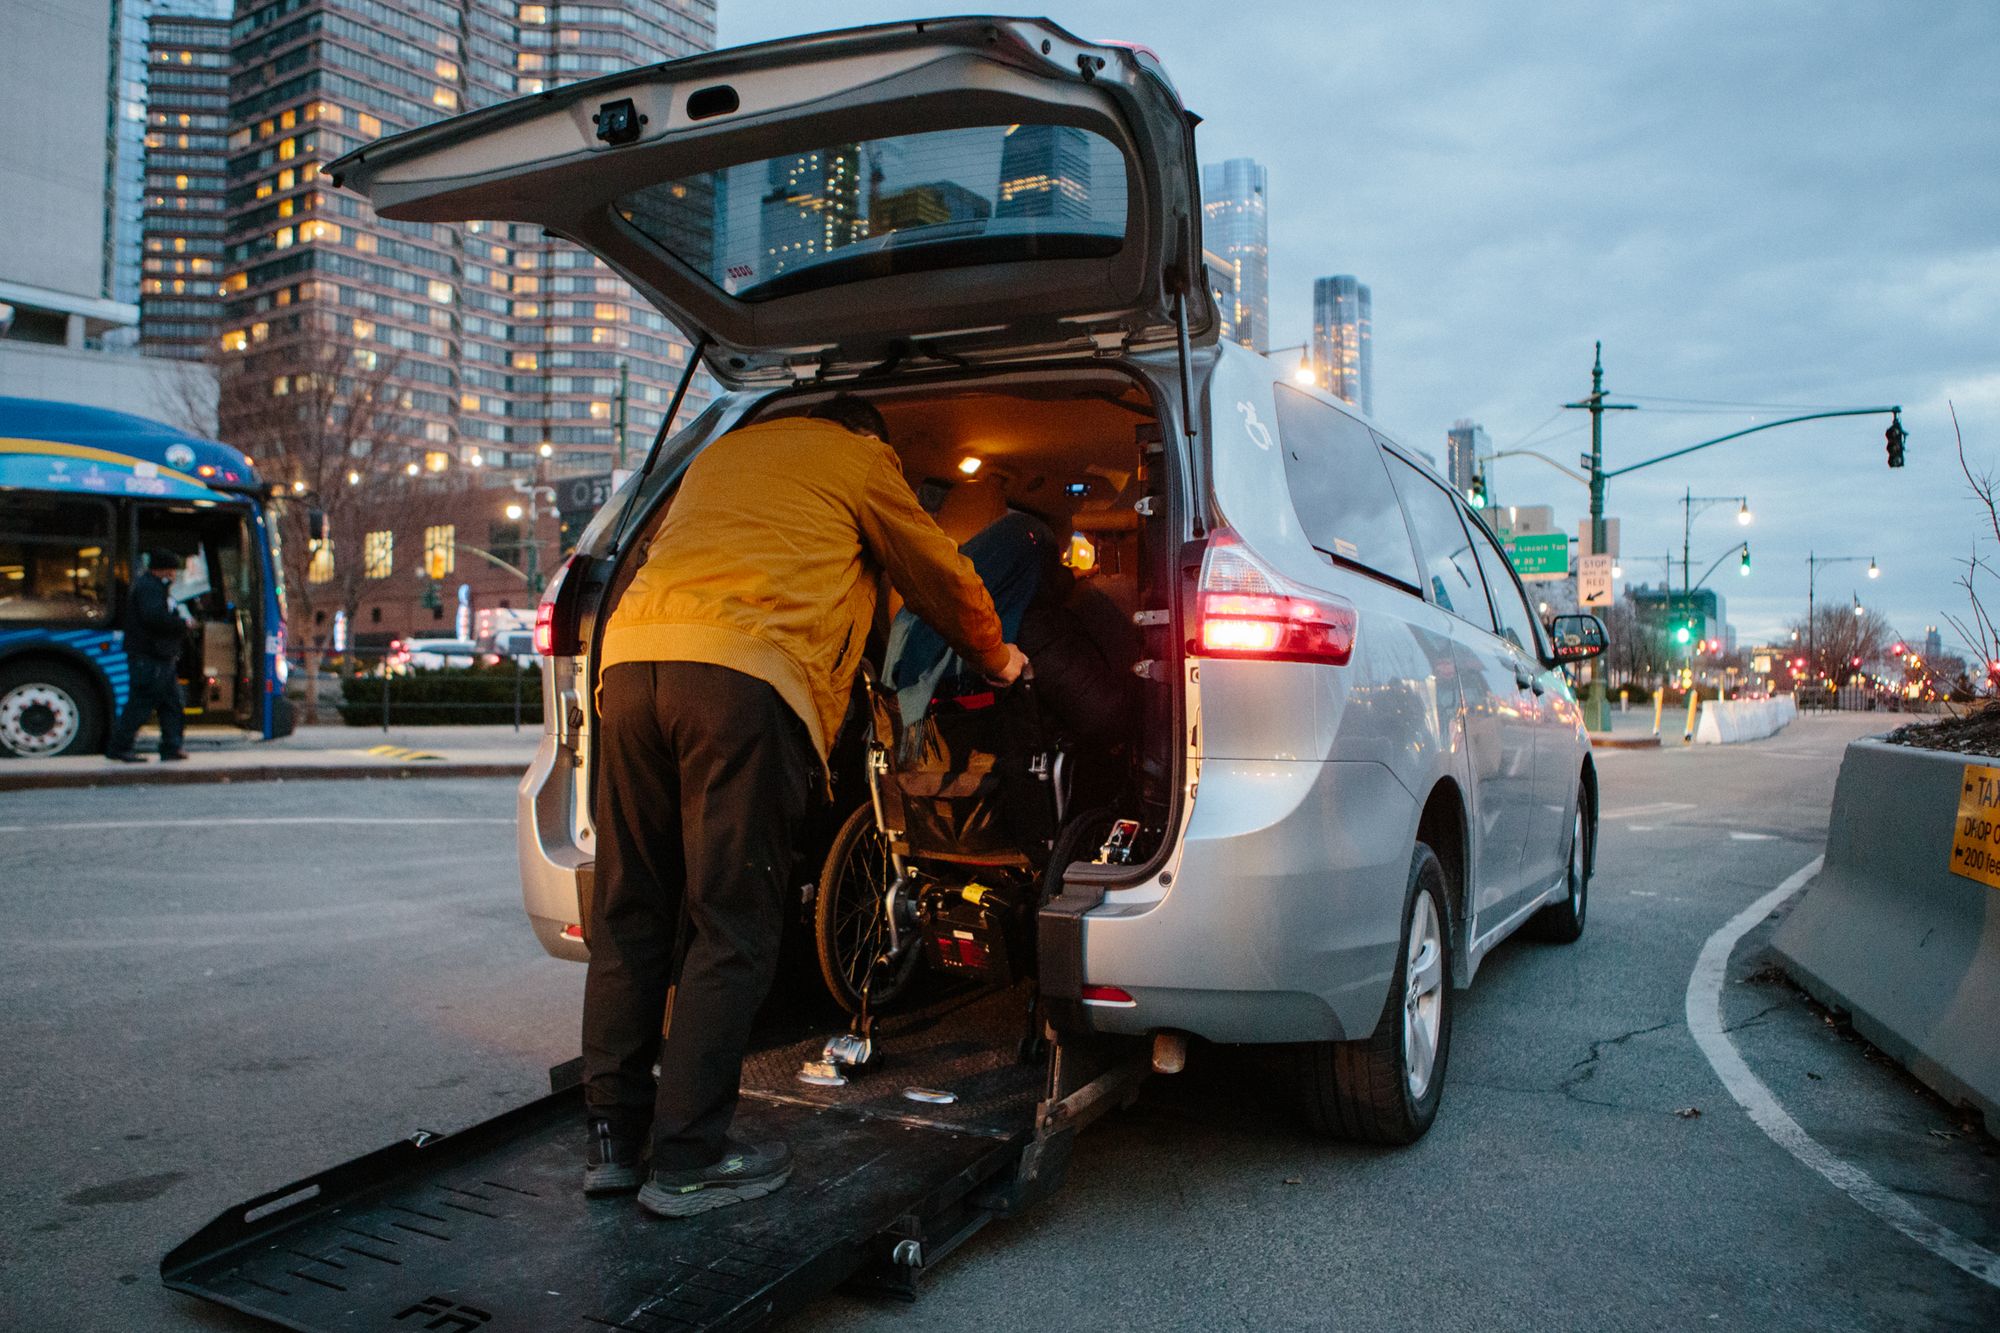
[[1282, 913], [552, 865]]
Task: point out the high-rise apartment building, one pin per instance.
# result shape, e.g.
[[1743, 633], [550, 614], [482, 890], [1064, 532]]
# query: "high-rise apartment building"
[[1464, 444], [1343, 340], [1044, 173], [1236, 227], [506, 345], [187, 128]]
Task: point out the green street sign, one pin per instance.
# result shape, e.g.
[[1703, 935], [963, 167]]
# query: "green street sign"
[[1541, 556]]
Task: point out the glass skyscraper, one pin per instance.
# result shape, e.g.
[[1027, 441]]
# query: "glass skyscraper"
[[506, 346], [1236, 228], [1465, 442], [187, 126], [1343, 340]]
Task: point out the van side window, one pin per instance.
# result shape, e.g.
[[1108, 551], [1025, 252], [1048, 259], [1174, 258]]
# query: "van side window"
[[1517, 623], [1450, 569], [1341, 489]]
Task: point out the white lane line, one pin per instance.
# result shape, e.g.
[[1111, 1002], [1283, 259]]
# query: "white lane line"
[[196, 823], [1651, 808], [1704, 1020], [1754, 837]]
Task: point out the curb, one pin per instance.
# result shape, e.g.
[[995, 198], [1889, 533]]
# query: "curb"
[[1607, 741], [157, 775]]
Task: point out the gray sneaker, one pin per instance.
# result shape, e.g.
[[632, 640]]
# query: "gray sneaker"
[[747, 1171], [612, 1163]]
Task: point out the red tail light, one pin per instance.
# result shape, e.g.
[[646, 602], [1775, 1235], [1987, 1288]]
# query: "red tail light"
[[1248, 611], [555, 614], [1108, 995]]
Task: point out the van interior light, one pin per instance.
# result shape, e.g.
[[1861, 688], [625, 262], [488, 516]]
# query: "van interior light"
[[1082, 555], [968, 465]]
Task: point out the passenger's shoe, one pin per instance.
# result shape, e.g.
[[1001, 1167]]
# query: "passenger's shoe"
[[177, 754], [612, 1164], [747, 1171], [125, 757]]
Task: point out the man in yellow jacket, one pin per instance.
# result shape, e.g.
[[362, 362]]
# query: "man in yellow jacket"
[[727, 666]]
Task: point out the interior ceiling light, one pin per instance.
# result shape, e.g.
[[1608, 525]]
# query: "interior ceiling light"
[[968, 465]]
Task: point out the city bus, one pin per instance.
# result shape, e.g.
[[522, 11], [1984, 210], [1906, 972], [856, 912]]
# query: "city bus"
[[84, 493]]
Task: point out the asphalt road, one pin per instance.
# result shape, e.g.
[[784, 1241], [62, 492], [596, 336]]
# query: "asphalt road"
[[199, 1011]]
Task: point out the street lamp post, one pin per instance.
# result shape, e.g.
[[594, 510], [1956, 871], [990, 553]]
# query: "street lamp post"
[[1596, 709], [1813, 562]]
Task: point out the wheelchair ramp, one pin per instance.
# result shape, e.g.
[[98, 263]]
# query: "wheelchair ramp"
[[487, 1229]]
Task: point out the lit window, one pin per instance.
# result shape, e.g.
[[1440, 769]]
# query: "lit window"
[[364, 241], [365, 357], [440, 549], [288, 149], [235, 340], [287, 178], [236, 282], [529, 85], [282, 237], [180, 244], [468, 402], [289, 119], [180, 182], [525, 361], [527, 310], [606, 310], [378, 554], [364, 328], [440, 291], [445, 98], [284, 208], [534, 13], [446, 70], [320, 570], [264, 189], [368, 124], [600, 411], [281, 386], [259, 331], [264, 129]]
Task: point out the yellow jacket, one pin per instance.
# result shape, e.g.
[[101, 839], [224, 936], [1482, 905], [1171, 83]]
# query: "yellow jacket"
[[767, 563]]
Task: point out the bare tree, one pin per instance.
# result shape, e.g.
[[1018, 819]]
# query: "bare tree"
[[328, 420], [1637, 645], [1843, 642], [1978, 628]]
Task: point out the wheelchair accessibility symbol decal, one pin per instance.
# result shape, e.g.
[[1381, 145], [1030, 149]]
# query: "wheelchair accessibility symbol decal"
[[1260, 435]]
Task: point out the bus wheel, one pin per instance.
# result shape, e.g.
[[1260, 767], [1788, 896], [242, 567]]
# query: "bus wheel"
[[47, 709]]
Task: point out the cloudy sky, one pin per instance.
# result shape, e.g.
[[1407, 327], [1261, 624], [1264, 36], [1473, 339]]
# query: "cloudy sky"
[[1774, 204]]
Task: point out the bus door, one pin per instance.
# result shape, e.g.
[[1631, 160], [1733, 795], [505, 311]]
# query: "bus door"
[[219, 667]]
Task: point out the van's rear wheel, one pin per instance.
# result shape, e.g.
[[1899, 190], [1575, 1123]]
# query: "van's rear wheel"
[[48, 709], [850, 922], [1386, 1089]]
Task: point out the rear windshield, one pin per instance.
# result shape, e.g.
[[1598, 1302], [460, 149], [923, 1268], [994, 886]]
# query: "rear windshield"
[[910, 202]]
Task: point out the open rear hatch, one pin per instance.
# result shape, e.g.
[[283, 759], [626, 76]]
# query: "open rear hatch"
[[949, 190]]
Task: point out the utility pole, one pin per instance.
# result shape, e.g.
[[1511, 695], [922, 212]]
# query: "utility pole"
[[624, 401], [1596, 704]]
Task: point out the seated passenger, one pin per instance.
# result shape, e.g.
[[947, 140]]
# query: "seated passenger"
[[1078, 644]]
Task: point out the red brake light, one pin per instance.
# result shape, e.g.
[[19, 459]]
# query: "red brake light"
[[1248, 611], [1107, 995], [555, 619], [545, 627]]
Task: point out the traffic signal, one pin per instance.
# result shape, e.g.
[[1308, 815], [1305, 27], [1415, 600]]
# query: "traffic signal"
[[1895, 435], [1682, 634], [1476, 496], [1744, 568]]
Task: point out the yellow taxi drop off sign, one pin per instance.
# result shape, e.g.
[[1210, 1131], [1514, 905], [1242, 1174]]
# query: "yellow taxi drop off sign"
[[1975, 836]]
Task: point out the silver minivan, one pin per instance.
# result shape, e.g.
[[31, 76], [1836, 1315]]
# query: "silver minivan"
[[1358, 765]]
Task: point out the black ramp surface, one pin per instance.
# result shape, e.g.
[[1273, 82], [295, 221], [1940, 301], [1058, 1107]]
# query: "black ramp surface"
[[489, 1229]]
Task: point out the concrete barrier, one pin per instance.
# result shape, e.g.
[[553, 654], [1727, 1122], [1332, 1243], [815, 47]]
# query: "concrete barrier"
[[1743, 719], [1888, 934]]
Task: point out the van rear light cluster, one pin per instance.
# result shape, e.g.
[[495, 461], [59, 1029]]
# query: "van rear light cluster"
[[1109, 995], [1248, 611], [556, 632]]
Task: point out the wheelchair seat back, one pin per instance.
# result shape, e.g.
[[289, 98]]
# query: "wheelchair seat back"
[[961, 786]]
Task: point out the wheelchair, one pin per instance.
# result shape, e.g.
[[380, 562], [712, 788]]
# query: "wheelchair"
[[966, 833]]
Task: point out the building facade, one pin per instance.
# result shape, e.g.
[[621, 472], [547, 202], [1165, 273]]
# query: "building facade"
[[1236, 227], [187, 127], [1464, 445], [1343, 340], [509, 344]]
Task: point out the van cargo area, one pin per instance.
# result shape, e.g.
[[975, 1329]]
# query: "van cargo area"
[[488, 1228]]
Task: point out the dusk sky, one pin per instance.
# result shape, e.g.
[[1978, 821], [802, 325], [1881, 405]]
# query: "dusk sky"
[[1779, 204]]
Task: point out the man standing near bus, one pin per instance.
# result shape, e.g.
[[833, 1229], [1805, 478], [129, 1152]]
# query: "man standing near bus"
[[154, 635], [727, 667]]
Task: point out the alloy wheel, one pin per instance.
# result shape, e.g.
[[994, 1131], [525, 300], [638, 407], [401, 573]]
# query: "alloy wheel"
[[1423, 994]]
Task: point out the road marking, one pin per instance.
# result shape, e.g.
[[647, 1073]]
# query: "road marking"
[[1704, 1020], [1654, 808], [1754, 837], [196, 823]]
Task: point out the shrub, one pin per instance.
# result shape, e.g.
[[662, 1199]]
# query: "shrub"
[[453, 696]]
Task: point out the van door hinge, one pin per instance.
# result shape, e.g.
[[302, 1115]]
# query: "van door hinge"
[[1150, 617], [1143, 506], [1151, 668]]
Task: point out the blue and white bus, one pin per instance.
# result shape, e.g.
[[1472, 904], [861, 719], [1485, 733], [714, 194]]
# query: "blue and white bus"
[[83, 494]]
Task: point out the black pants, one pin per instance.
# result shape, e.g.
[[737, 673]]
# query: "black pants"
[[155, 687], [705, 777]]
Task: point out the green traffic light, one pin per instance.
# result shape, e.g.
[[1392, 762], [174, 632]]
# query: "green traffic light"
[[1683, 635]]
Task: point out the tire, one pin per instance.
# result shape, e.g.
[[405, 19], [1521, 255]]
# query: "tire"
[[848, 929], [1562, 923], [49, 709], [1382, 1089]]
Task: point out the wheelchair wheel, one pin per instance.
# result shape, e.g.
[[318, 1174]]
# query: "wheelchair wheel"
[[849, 926]]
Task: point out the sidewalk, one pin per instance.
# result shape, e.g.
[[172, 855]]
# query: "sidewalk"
[[1633, 730], [321, 752]]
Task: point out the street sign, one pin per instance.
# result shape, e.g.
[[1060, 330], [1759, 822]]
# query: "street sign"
[[1540, 557], [1975, 834], [1593, 582]]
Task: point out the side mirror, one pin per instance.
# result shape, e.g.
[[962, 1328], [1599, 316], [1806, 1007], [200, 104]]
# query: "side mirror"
[[1576, 638], [316, 524]]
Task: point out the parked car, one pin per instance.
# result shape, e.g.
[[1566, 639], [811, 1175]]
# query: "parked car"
[[1358, 768], [406, 655]]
